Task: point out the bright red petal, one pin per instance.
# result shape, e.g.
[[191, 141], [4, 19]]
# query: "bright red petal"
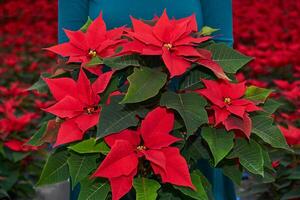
[[238, 88], [77, 38], [121, 161], [61, 87], [101, 82], [68, 132], [66, 50], [163, 28], [155, 128], [175, 64], [67, 107], [121, 185], [237, 110], [86, 121], [130, 136], [186, 51], [95, 33], [14, 145], [157, 157], [85, 92], [177, 171], [221, 114]]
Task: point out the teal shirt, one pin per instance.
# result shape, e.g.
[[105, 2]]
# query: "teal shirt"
[[214, 13]]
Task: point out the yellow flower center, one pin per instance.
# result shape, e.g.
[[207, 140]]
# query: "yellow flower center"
[[91, 110], [227, 100], [141, 148], [92, 53], [168, 46]]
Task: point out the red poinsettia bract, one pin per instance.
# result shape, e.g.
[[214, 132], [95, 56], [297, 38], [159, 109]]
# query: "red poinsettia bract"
[[291, 134], [151, 142], [20, 146], [96, 41], [230, 108], [77, 104], [172, 39]]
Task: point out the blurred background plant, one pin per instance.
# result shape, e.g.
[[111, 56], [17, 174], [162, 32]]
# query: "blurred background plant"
[[268, 30]]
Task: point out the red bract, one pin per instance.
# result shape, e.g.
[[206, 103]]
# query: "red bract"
[[17, 145], [151, 142], [230, 108], [77, 104], [96, 41], [173, 41], [291, 134]]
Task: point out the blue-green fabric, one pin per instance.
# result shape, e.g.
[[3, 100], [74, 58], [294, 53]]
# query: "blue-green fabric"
[[214, 13]]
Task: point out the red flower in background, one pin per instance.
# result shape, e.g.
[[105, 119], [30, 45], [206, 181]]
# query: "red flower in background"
[[121, 164], [77, 104], [21, 146], [230, 108], [96, 41], [291, 134], [173, 41]]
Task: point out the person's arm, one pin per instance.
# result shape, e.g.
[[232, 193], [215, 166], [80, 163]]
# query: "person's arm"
[[218, 14], [72, 14]]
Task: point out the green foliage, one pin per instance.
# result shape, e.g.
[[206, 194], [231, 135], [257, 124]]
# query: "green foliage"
[[229, 59], [146, 189], [94, 189], [144, 83], [122, 62], [219, 141], [264, 128], [250, 155], [86, 25], [116, 117], [80, 166], [56, 168], [90, 146], [40, 85], [257, 94], [35, 140], [206, 30], [190, 106], [199, 182]]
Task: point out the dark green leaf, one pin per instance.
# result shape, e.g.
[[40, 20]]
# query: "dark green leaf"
[[80, 166], [229, 59], [190, 106], [116, 117], [270, 106], [144, 83], [250, 155], [219, 141], [35, 140], [199, 193], [96, 60], [263, 127], [90, 146], [233, 172], [122, 62], [56, 168], [94, 190], [146, 189], [40, 85], [293, 194], [206, 30]]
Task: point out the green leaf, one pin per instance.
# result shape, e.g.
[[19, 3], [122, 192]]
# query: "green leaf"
[[192, 79], [270, 106], [80, 166], [86, 25], [250, 156], [35, 140], [56, 168], [198, 151], [144, 83], [219, 141], [233, 172], [40, 85], [257, 94], [122, 62], [229, 59], [146, 189], [206, 30], [94, 190], [200, 193], [96, 60], [263, 127], [116, 117], [90, 146], [190, 106]]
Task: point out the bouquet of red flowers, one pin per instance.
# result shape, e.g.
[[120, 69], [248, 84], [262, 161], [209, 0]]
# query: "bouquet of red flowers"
[[137, 108]]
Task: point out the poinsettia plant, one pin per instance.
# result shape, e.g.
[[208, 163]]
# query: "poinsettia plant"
[[135, 109]]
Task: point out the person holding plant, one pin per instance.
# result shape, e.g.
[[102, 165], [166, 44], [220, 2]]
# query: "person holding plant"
[[214, 13]]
